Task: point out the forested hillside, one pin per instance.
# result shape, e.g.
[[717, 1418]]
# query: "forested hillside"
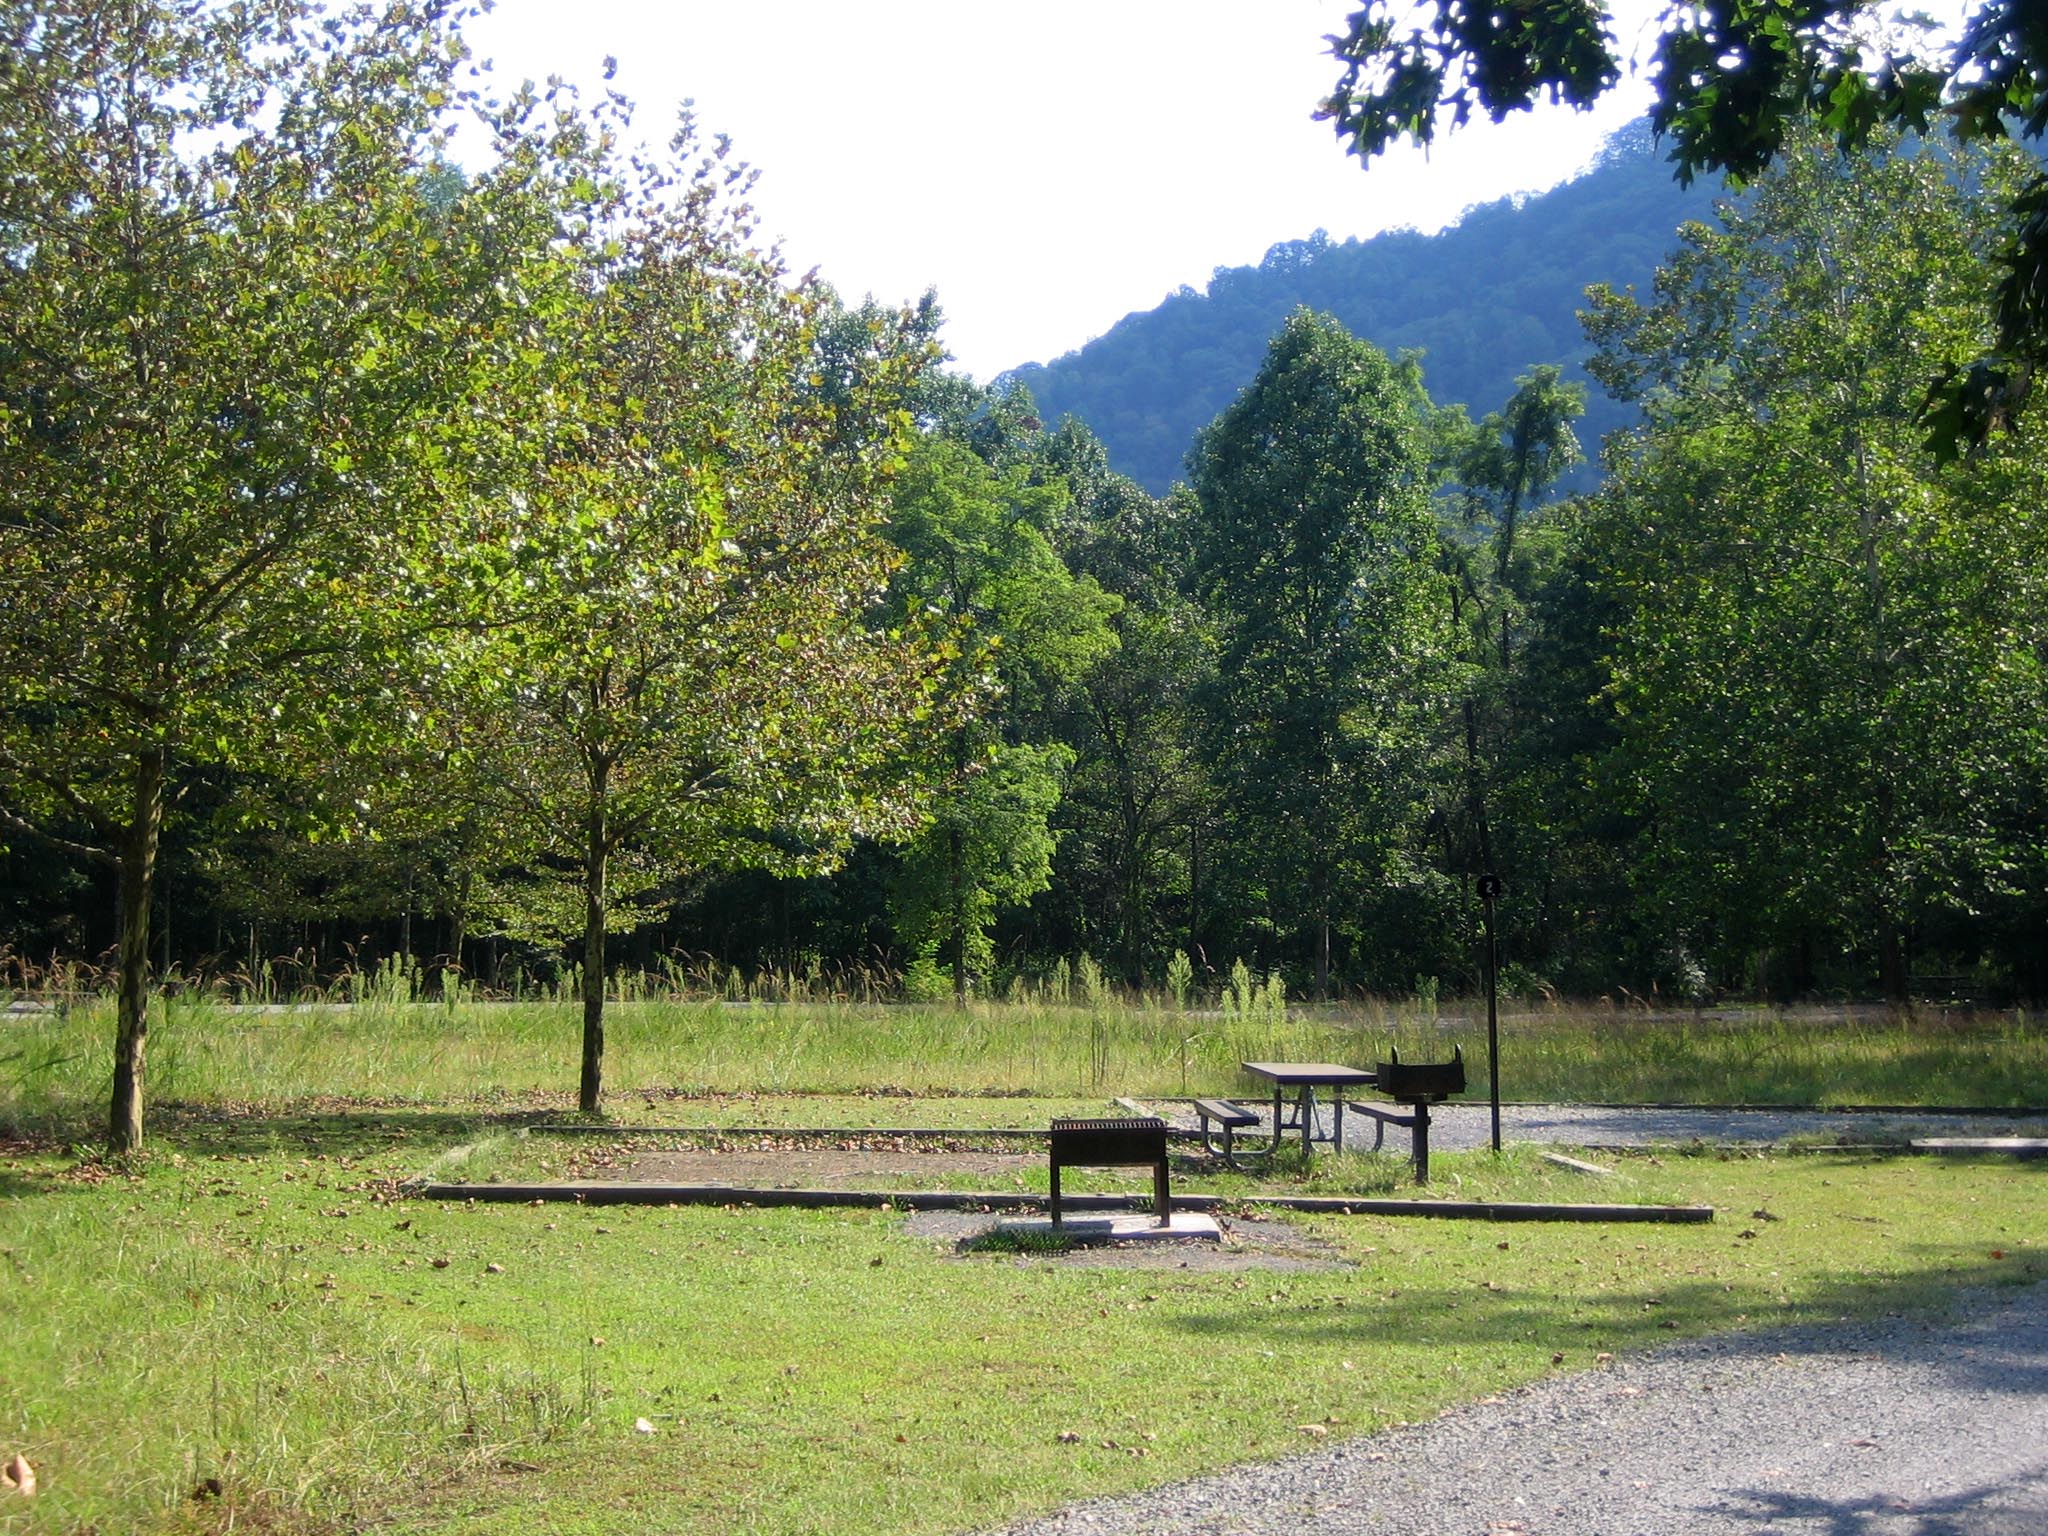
[[1484, 300]]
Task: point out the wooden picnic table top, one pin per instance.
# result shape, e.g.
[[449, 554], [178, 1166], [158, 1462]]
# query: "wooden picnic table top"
[[1309, 1074]]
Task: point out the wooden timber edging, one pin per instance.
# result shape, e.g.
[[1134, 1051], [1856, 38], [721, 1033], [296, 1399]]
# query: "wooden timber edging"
[[1984, 1146], [601, 1192], [825, 1132]]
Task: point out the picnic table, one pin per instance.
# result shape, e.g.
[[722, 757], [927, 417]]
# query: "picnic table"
[[1305, 1077]]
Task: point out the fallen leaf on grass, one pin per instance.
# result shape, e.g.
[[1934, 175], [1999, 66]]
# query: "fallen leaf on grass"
[[19, 1476], [1315, 1430], [494, 1269], [643, 1426], [1068, 1437]]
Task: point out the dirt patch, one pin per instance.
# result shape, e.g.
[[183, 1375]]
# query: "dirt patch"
[[852, 1164], [1247, 1244], [886, 1161]]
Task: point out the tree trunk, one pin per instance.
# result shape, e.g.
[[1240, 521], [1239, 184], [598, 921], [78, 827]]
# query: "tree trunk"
[[138, 883], [458, 934], [956, 861], [1481, 844], [595, 852], [1891, 963]]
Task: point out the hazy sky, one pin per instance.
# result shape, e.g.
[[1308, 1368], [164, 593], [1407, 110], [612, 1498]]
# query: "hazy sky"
[[1048, 168]]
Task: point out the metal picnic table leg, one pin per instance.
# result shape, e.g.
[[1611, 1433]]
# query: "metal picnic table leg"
[[1337, 1118]]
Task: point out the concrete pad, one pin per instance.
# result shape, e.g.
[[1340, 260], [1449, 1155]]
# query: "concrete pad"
[[1577, 1165], [1185, 1227]]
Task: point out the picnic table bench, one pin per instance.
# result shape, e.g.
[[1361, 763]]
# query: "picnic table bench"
[[1232, 1118]]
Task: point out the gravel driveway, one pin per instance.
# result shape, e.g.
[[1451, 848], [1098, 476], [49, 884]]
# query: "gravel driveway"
[[1895, 1428], [1466, 1124]]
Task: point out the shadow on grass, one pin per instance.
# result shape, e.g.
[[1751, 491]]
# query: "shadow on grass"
[[1744, 1319], [212, 1131], [206, 1131]]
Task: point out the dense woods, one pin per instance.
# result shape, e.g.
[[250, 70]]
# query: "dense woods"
[[511, 572]]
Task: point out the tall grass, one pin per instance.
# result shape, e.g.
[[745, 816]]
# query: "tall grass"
[[391, 1046]]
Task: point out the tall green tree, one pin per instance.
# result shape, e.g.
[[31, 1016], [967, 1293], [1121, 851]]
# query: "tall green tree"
[[1137, 801], [1314, 555], [686, 671], [1502, 466], [244, 327], [980, 555], [1828, 644]]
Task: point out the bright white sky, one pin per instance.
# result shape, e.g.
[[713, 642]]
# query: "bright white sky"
[[1048, 168]]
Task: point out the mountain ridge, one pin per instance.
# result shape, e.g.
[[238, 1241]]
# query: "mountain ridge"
[[1484, 300]]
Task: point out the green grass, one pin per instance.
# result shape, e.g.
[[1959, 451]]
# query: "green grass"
[[250, 1304], [53, 1068], [252, 1308]]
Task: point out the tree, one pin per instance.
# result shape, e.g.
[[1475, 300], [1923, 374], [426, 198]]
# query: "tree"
[[979, 555], [1516, 454], [686, 672], [244, 324], [1137, 797], [1734, 78], [1501, 468], [1826, 657], [1312, 557]]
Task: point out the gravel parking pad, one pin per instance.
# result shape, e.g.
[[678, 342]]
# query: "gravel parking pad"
[[1898, 1428]]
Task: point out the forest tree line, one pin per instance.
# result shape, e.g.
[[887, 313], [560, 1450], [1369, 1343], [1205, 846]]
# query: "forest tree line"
[[517, 569]]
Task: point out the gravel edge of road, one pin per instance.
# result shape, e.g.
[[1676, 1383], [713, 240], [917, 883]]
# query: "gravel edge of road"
[[1601, 1453]]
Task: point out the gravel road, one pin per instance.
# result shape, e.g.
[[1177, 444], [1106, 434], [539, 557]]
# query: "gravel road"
[[1905, 1427], [1463, 1125]]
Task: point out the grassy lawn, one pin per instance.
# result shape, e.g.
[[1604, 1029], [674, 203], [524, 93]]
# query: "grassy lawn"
[[251, 1328], [53, 1067], [253, 1309]]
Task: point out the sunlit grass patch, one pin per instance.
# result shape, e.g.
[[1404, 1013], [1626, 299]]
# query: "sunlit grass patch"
[[259, 1309]]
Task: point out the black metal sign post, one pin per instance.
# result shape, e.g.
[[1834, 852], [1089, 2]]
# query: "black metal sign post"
[[1489, 892]]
